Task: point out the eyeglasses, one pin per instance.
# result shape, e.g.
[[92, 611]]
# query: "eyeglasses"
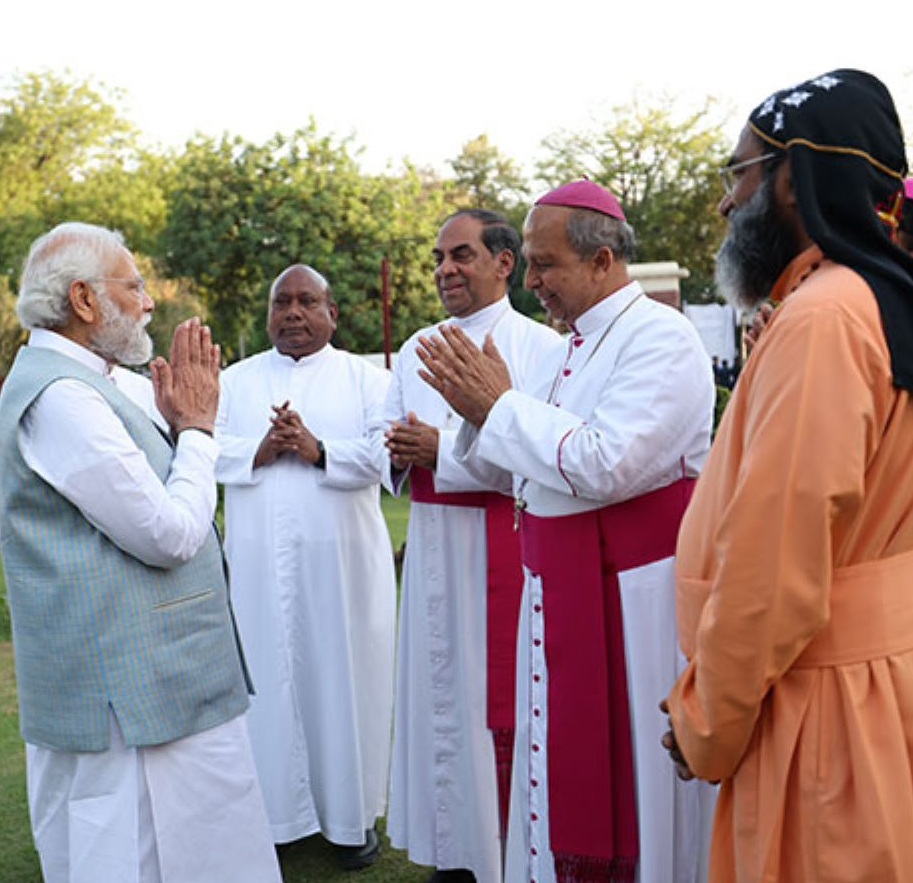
[[730, 174], [137, 284]]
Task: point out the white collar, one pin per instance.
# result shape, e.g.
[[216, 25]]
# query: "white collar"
[[484, 317], [309, 361], [52, 340], [604, 311]]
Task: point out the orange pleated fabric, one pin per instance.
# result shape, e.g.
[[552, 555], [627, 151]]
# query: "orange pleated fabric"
[[795, 600]]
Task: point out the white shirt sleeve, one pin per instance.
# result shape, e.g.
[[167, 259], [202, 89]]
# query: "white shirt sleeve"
[[648, 423], [361, 461], [73, 439], [489, 475], [235, 464], [392, 479]]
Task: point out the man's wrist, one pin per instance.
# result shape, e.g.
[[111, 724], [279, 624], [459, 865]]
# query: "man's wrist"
[[321, 461], [204, 429]]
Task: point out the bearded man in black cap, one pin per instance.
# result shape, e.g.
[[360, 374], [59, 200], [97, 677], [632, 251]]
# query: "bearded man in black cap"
[[795, 557]]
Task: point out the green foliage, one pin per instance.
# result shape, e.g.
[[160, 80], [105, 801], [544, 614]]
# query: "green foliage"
[[396, 513], [5, 632], [664, 170], [11, 334], [723, 394], [219, 219], [489, 179], [175, 301], [66, 153], [125, 196], [18, 859], [406, 214], [241, 213]]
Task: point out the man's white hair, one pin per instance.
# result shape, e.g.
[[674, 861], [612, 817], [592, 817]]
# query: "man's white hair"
[[70, 252]]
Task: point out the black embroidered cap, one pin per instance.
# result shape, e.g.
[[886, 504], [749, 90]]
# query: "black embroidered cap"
[[847, 160]]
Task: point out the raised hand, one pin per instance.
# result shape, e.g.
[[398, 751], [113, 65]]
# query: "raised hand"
[[758, 324], [412, 443], [291, 433], [187, 385], [287, 434], [670, 743], [469, 378]]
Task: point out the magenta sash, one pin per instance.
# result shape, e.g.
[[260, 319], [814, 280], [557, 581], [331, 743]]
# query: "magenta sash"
[[504, 587], [591, 785]]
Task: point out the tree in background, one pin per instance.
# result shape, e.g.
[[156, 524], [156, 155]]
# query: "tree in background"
[[11, 335], [241, 213], [483, 177], [217, 220], [663, 167], [406, 211], [175, 301], [487, 179], [68, 154]]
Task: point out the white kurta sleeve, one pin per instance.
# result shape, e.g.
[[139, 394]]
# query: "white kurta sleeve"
[[73, 439], [454, 474], [353, 463], [465, 452], [235, 464], [624, 442], [391, 478]]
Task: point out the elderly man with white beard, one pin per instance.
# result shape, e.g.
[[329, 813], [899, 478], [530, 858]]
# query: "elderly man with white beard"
[[132, 686], [795, 556]]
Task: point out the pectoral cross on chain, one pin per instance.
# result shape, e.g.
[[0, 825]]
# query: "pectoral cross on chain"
[[519, 506]]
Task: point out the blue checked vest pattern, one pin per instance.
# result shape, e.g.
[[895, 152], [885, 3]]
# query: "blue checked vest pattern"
[[93, 627]]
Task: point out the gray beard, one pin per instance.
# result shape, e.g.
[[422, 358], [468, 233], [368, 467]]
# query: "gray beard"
[[121, 340], [756, 250]]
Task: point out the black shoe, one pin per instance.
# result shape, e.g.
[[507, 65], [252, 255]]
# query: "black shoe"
[[457, 875], [355, 858]]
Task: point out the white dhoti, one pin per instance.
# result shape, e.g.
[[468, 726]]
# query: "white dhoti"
[[188, 811]]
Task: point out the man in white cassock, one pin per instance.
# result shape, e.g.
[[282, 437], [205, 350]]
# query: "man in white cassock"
[[312, 569], [132, 687], [605, 445], [462, 579]]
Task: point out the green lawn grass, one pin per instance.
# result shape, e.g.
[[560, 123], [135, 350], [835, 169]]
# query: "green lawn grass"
[[396, 511], [308, 861], [18, 860]]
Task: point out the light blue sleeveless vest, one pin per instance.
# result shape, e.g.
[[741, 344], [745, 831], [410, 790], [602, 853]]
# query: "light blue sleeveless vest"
[[94, 627]]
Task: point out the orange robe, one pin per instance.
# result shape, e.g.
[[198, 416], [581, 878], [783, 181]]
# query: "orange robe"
[[795, 600]]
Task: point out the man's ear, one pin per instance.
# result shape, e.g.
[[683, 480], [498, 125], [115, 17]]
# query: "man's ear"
[[783, 186], [603, 260], [84, 302], [785, 195], [506, 263]]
